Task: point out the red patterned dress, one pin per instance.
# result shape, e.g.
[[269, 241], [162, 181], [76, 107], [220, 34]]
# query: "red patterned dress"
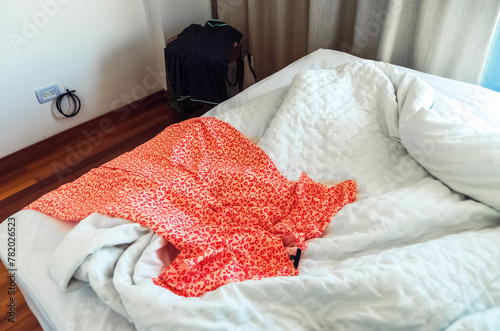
[[214, 195]]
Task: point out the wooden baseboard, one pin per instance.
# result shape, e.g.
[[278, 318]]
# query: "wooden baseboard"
[[10, 164]]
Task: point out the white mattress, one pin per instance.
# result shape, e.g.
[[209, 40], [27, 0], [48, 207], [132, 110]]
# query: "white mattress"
[[38, 235]]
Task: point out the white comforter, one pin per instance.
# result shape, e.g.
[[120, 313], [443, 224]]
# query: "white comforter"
[[409, 254]]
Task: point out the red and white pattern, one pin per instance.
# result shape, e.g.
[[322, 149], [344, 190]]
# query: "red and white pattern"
[[212, 193]]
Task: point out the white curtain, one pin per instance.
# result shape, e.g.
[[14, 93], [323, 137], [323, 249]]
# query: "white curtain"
[[449, 38]]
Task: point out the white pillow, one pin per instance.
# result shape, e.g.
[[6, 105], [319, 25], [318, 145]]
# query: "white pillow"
[[457, 147]]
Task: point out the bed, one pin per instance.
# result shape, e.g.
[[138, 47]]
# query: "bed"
[[417, 250]]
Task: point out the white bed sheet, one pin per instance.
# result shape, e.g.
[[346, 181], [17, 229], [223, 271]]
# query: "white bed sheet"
[[38, 235]]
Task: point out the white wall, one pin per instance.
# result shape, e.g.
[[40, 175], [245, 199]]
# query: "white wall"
[[102, 49], [110, 52], [154, 18], [179, 14]]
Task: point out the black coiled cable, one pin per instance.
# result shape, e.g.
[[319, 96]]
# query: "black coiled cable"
[[73, 100]]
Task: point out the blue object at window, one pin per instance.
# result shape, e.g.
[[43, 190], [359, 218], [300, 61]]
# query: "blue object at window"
[[491, 77]]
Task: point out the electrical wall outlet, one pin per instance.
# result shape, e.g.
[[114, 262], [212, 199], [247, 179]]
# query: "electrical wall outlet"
[[47, 93]]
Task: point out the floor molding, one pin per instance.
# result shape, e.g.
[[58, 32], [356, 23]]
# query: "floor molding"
[[12, 163]]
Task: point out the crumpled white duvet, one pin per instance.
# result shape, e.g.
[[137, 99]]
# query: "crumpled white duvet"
[[409, 254]]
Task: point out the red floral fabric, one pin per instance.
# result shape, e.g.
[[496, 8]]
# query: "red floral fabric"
[[212, 193]]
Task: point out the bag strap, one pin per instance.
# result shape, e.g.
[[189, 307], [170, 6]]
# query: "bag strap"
[[249, 59], [235, 81]]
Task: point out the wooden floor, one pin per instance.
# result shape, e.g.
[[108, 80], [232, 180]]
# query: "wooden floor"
[[49, 171]]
